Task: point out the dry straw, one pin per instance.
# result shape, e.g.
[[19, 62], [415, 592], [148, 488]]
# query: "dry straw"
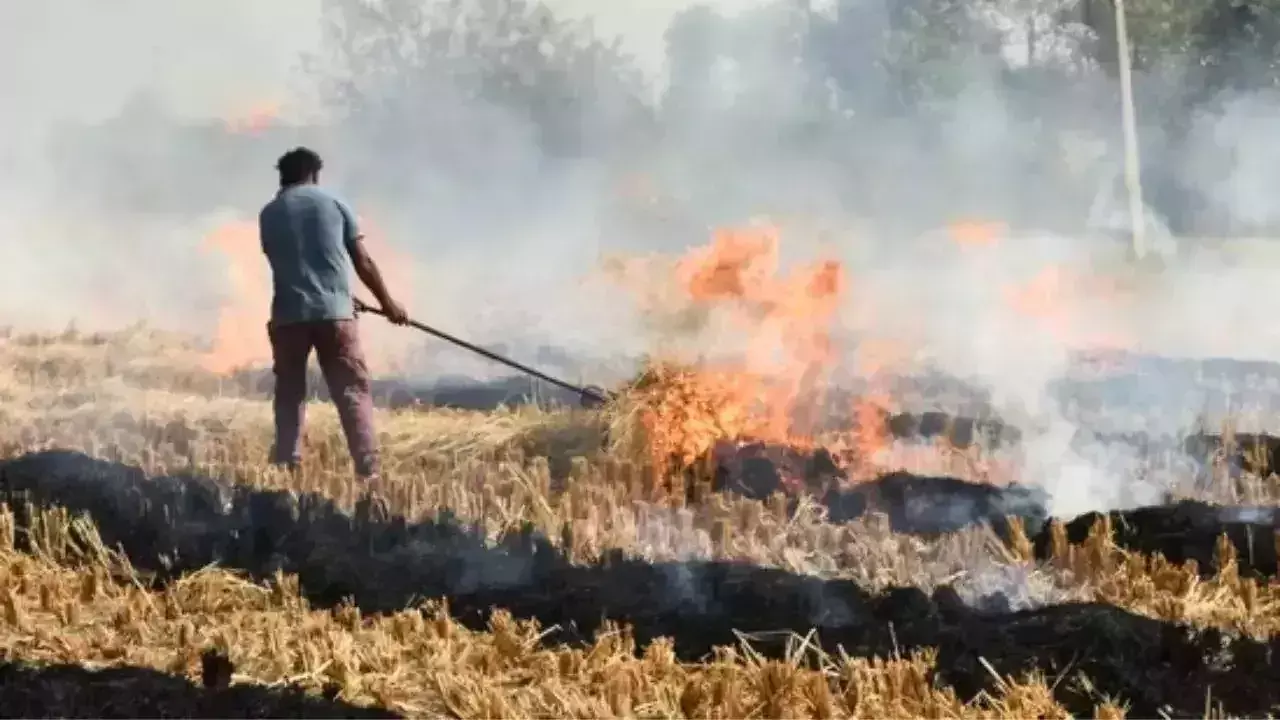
[[576, 476]]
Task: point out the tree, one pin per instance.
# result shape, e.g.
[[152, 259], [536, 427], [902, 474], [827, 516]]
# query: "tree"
[[900, 56], [1237, 45], [1231, 41], [433, 100], [126, 165], [515, 55]]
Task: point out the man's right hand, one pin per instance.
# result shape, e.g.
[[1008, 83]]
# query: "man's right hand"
[[395, 312], [367, 270]]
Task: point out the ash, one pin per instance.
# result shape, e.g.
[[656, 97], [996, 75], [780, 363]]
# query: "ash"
[[993, 588]]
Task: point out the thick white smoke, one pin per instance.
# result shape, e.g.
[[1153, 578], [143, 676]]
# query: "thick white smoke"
[[499, 197]]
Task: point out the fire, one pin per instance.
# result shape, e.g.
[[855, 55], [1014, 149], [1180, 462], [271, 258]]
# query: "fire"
[[255, 120], [770, 334], [772, 389], [1045, 298], [1062, 303], [871, 429], [976, 234], [760, 392], [870, 436], [731, 267], [240, 337]]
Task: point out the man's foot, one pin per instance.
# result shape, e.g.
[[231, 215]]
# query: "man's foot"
[[293, 467], [373, 506], [373, 509], [372, 482]]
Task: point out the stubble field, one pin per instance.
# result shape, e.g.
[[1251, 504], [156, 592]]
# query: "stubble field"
[[531, 563]]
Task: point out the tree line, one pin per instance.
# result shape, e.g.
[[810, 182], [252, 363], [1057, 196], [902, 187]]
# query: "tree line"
[[501, 93]]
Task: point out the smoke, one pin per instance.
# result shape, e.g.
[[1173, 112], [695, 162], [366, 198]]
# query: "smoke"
[[503, 154], [78, 251]]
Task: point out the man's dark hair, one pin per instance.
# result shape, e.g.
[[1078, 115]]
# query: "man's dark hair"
[[298, 165]]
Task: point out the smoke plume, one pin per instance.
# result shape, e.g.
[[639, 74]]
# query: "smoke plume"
[[501, 151]]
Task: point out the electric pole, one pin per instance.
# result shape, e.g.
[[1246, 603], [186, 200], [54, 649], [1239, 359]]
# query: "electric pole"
[[1132, 167]]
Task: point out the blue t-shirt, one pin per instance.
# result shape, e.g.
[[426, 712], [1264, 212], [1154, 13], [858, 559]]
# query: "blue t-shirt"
[[308, 236]]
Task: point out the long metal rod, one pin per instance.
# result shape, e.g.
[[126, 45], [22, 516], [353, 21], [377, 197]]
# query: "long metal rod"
[[1132, 168], [588, 393]]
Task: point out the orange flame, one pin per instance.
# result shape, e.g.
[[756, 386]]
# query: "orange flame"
[[692, 408], [255, 120], [870, 436], [976, 233], [1060, 302], [788, 324], [240, 338]]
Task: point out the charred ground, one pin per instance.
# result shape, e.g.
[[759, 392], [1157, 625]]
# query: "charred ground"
[[933, 505], [170, 526]]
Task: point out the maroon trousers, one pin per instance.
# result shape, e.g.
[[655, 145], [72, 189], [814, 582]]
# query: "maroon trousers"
[[337, 346]]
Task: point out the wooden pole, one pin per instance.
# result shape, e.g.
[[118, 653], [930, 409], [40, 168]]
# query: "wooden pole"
[[1132, 168]]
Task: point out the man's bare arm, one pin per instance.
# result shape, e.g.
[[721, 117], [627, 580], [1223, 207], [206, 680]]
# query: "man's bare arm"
[[367, 270]]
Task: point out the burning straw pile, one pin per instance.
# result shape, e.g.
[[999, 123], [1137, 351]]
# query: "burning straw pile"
[[761, 417], [768, 388]]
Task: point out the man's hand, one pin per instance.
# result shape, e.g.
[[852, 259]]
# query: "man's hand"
[[395, 312], [367, 270]]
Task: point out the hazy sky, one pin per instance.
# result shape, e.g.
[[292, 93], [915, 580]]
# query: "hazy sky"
[[82, 58]]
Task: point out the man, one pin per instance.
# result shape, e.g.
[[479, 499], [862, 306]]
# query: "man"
[[312, 243]]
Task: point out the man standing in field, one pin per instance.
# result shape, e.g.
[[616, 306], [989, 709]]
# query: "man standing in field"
[[312, 243]]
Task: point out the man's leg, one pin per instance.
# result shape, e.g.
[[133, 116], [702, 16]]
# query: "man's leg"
[[345, 372], [290, 348]]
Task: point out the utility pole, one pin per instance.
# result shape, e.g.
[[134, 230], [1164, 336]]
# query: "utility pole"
[[1033, 12], [1132, 168]]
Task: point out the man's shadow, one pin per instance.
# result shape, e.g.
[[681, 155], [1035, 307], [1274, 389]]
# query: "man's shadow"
[[63, 690]]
